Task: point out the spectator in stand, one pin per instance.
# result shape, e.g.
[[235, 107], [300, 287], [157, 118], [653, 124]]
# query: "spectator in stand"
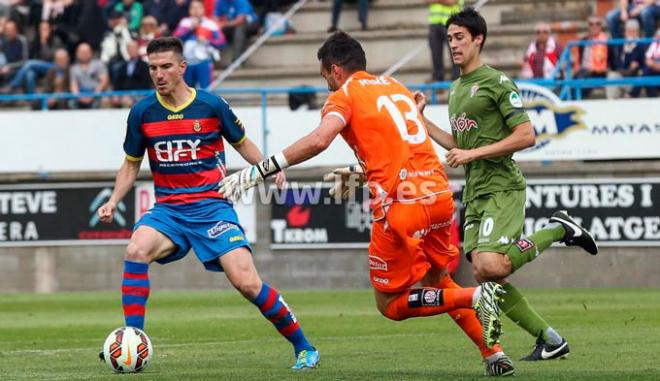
[[592, 59], [133, 12], [91, 25], [63, 16], [149, 29], [88, 75], [439, 12], [648, 11], [628, 61], [542, 55], [363, 6], [14, 51], [58, 80], [132, 75], [114, 47], [202, 40], [173, 14], [41, 60], [238, 22], [264, 7], [653, 64]]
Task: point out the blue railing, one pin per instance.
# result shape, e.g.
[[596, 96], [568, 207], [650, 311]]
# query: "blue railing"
[[564, 84], [564, 63]]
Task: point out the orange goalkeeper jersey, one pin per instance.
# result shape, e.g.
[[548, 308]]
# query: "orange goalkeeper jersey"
[[387, 134]]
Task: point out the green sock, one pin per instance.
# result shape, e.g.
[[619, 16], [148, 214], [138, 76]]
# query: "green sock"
[[515, 306], [526, 249]]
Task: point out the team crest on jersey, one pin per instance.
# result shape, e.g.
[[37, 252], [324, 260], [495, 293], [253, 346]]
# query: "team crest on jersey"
[[462, 123], [473, 90], [197, 126]]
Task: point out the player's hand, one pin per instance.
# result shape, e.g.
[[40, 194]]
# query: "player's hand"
[[346, 180], [624, 15], [420, 101], [280, 180], [107, 211], [456, 157], [235, 185]]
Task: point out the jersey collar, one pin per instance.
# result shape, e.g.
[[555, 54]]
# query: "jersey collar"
[[177, 109]]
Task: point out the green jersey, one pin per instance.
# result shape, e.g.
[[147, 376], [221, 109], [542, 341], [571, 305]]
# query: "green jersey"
[[484, 106]]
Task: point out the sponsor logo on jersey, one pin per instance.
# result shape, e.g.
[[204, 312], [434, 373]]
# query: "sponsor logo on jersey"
[[462, 123], [177, 150], [515, 100], [549, 116], [524, 244], [376, 263], [473, 90], [236, 238], [175, 117], [221, 228], [381, 280], [503, 78]]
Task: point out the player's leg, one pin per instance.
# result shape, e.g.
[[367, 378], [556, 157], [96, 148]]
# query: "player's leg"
[[496, 362], [146, 246], [397, 262], [242, 274], [501, 221], [490, 229]]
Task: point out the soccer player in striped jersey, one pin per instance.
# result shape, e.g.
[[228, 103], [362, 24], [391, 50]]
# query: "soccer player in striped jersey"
[[182, 131]]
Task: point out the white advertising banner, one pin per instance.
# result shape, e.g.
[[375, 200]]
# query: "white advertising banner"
[[247, 212], [91, 140]]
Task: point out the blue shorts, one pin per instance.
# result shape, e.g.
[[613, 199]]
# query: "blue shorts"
[[209, 227]]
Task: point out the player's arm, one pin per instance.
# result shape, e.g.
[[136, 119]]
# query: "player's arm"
[[317, 141], [445, 139], [249, 151], [314, 143], [522, 136], [252, 154], [124, 181]]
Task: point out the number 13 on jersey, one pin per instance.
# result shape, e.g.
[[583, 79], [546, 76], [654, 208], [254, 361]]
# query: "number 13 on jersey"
[[389, 102]]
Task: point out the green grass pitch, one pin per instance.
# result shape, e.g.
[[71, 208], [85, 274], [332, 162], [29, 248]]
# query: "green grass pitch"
[[613, 334]]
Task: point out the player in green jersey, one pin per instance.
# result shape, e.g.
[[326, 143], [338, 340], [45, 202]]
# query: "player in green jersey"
[[489, 123]]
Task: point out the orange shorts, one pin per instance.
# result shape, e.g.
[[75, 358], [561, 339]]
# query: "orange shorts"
[[412, 238]]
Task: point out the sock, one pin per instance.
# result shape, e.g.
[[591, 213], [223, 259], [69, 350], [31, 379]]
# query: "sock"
[[526, 249], [134, 293], [274, 308], [515, 306], [466, 319], [551, 336], [428, 302]]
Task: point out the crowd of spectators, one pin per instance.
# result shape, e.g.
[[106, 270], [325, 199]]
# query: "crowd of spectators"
[[631, 20], [83, 46]]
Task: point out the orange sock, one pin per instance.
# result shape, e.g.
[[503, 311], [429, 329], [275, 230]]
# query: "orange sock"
[[427, 302], [466, 318]]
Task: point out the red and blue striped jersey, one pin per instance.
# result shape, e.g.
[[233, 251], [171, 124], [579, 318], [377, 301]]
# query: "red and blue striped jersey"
[[184, 145]]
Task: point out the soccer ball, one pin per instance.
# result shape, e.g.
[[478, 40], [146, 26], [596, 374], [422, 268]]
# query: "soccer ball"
[[127, 350]]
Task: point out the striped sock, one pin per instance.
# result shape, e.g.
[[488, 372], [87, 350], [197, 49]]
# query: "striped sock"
[[274, 308], [134, 293]]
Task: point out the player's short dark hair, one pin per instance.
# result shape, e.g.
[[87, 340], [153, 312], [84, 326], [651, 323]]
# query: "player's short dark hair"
[[471, 20], [342, 50], [165, 44]]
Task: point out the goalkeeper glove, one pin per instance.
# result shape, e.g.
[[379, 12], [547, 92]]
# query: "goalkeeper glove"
[[346, 181]]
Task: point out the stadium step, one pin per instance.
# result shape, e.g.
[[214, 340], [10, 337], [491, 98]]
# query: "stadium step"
[[389, 14], [386, 47]]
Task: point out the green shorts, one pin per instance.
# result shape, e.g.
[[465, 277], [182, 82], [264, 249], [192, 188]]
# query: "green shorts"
[[493, 222]]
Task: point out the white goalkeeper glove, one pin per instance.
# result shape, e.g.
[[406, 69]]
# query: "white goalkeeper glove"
[[346, 181], [235, 185]]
